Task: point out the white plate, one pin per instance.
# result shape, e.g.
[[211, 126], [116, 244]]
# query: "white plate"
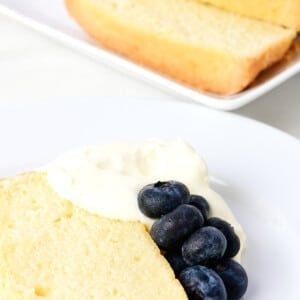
[[51, 18], [257, 167]]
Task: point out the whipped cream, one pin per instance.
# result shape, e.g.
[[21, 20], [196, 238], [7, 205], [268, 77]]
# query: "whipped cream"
[[105, 179]]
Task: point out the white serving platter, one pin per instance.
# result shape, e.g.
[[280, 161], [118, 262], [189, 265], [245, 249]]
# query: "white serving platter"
[[50, 18]]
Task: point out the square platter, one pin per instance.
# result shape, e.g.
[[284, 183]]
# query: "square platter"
[[51, 18]]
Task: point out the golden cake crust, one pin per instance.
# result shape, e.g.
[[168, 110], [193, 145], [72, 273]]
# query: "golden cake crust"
[[282, 12]]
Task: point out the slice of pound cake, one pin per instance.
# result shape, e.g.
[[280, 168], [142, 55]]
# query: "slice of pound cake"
[[74, 229], [205, 47], [52, 249]]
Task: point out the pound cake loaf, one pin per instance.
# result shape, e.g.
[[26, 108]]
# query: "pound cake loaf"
[[202, 46], [282, 12], [73, 230]]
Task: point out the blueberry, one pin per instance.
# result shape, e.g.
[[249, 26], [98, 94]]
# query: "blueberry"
[[234, 277], [176, 261], [206, 244], [233, 241], [173, 228], [201, 203], [159, 198], [201, 283]]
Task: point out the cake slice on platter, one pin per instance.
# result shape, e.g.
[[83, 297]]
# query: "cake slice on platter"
[[207, 48], [73, 229]]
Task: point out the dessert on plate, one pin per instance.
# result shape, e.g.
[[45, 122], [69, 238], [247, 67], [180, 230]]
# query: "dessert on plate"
[[104, 222], [206, 47]]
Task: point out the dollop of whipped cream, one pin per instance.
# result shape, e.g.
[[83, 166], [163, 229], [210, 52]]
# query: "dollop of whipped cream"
[[105, 179]]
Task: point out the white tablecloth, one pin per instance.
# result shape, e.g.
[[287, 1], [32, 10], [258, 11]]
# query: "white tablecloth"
[[33, 67]]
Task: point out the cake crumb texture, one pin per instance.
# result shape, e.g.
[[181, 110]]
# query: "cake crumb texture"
[[51, 249]]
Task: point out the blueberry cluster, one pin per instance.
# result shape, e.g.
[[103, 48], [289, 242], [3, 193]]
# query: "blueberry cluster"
[[199, 248]]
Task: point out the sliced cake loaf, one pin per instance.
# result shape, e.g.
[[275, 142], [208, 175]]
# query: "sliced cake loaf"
[[205, 47], [283, 12], [50, 249]]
